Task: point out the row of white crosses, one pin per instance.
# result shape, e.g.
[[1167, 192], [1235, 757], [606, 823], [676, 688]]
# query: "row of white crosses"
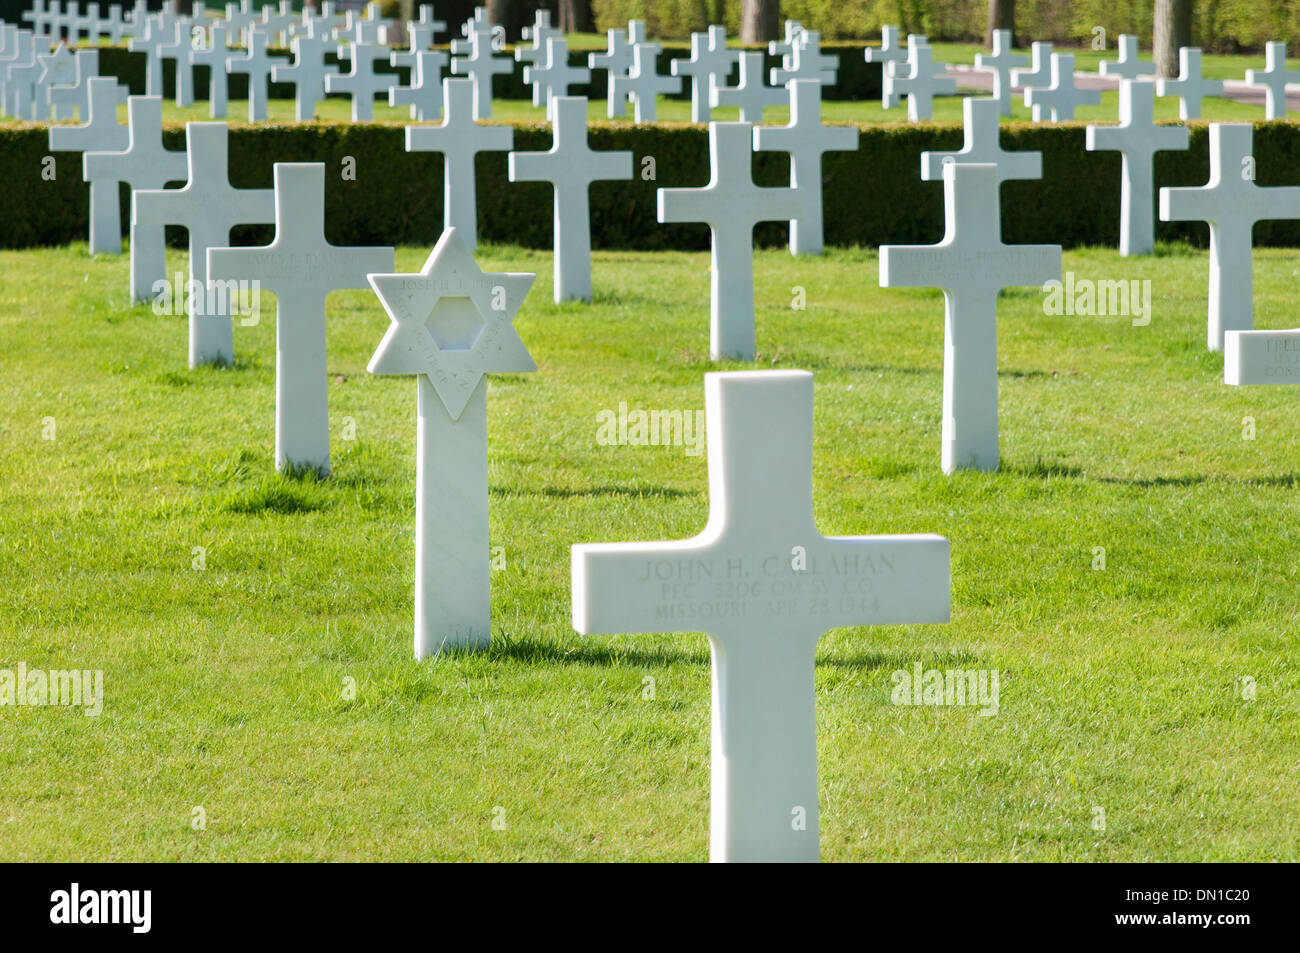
[[1048, 83], [631, 63], [1191, 87], [70, 22], [909, 71], [299, 266], [310, 36], [31, 72]]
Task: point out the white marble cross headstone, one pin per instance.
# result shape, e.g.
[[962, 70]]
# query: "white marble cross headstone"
[[452, 324], [480, 66], [100, 132], [54, 69], [1190, 87], [72, 23], [1039, 73], [709, 66], [239, 19], [308, 70], [750, 93], [276, 23], [765, 585], [16, 46], [553, 75], [807, 140], [424, 95], [112, 25], [889, 54], [323, 24], [1231, 203], [541, 23], [257, 64], [19, 73], [981, 145], [38, 15], [52, 22], [459, 138], [807, 61], [784, 47], [361, 81], [1128, 66], [1273, 78], [971, 265], [301, 268], [429, 19], [213, 56], [616, 61], [1138, 139], [208, 207], [644, 84], [139, 16], [144, 164], [571, 166], [924, 80], [149, 42], [419, 37], [361, 28], [73, 99], [178, 47], [88, 23], [731, 205], [1001, 63], [480, 24], [1062, 97], [539, 33]]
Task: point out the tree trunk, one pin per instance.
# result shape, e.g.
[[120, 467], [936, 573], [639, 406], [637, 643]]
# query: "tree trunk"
[[500, 12], [760, 21], [1173, 29], [1002, 16], [575, 16]]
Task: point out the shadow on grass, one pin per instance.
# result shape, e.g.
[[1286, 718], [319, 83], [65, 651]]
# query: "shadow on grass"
[[594, 650], [597, 651], [1048, 471], [809, 363], [1043, 470], [1288, 480], [565, 493]]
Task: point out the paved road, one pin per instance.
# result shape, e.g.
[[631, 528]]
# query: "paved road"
[[972, 77]]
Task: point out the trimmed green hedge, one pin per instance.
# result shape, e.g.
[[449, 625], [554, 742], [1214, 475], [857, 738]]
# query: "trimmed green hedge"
[[872, 196]]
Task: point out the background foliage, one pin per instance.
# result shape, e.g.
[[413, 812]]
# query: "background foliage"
[[1218, 25]]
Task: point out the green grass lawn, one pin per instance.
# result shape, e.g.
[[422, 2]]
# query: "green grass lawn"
[[225, 688], [946, 109]]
